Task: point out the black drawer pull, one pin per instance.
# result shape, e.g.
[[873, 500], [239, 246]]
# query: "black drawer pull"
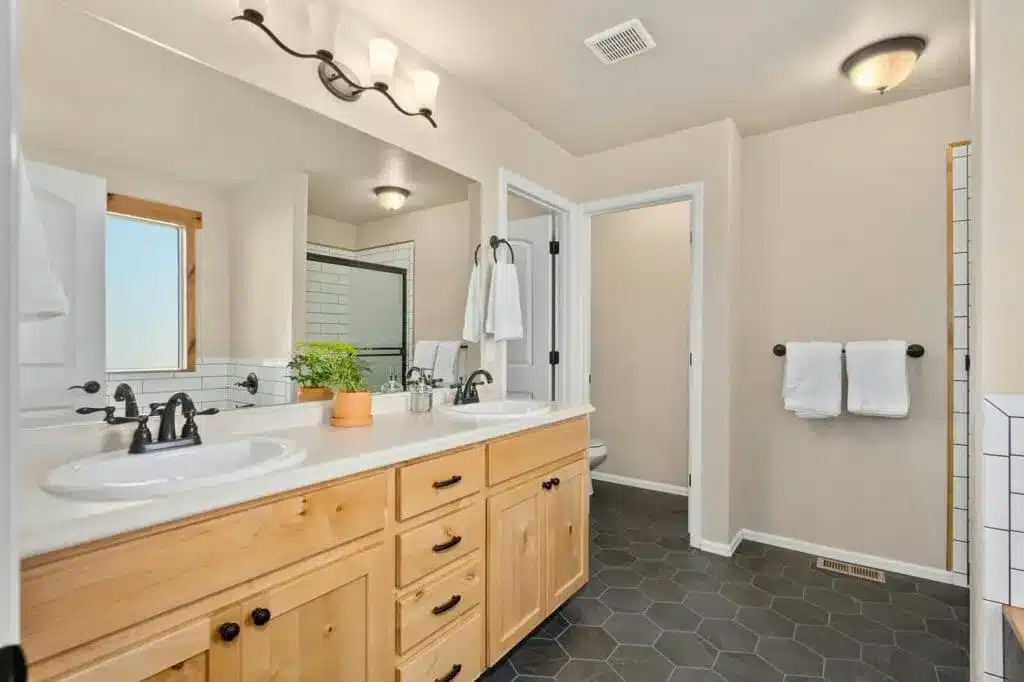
[[556, 481], [451, 674], [447, 483], [260, 616], [445, 546], [447, 606], [546, 485]]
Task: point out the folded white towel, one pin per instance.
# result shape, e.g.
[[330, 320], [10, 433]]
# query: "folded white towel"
[[813, 383], [40, 294], [423, 355], [446, 363], [473, 324], [877, 376], [504, 311]]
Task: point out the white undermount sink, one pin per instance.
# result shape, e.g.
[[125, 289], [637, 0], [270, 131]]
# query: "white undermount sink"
[[502, 409], [120, 476]]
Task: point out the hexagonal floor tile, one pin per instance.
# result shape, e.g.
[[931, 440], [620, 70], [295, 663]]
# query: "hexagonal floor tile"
[[760, 565], [580, 641], [897, 663], [625, 600], [619, 577], [654, 569], [674, 543], [697, 581], [955, 631], [728, 572], [862, 589], [838, 670], [686, 649], [502, 672], [615, 557], [689, 562], [711, 605], [695, 675], [829, 600], [745, 595], [610, 541], [862, 629], [586, 611], [640, 664], [788, 557], [663, 589], [827, 642], [931, 648], [805, 575], [552, 627], [923, 605], [953, 674], [892, 617], [766, 622], [751, 548], [647, 550], [778, 586], [792, 658], [673, 616], [587, 671], [953, 595], [799, 611], [542, 657], [593, 589], [632, 628], [737, 667], [727, 635]]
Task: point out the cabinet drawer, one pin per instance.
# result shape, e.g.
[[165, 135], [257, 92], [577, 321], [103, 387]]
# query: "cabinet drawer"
[[456, 657], [515, 455], [436, 482], [440, 542], [118, 584], [428, 609]]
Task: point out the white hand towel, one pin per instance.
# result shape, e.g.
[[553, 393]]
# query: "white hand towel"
[[423, 355], [446, 364], [40, 294], [504, 311], [813, 383], [473, 324], [877, 375]]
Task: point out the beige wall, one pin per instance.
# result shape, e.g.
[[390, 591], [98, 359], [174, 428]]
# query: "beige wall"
[[213, 293], [639, 345], [443, 262], [268, 222], [845, 238], [330, 232]]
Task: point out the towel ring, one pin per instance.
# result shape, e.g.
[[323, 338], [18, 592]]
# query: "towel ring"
[[495, 243], [476, 255]]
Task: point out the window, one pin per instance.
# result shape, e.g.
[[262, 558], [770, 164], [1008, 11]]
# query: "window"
[[150, 285]]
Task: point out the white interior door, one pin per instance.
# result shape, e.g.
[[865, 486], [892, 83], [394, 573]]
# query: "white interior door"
[[67, 351], [529, 368]]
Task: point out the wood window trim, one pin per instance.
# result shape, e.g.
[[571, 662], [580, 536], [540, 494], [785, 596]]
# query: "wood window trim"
[[190, 221]]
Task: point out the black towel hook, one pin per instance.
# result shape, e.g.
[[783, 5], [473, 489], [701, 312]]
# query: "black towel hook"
[[476, 255], [496, 242]]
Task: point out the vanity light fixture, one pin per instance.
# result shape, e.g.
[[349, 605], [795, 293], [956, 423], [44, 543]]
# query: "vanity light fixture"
[[391, 198], [340, 80], [880, 67]]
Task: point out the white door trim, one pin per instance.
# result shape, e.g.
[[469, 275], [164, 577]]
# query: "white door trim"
[[694, 193], [572, 288]]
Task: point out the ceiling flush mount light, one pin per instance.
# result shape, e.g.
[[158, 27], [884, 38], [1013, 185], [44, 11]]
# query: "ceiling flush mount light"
[[880, 67], [338, 79], [391, 198]]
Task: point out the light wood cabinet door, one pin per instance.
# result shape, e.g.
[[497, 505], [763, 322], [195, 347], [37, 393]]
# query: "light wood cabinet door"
[[195, 652], [567, 510], [516, 596], [334, 624]]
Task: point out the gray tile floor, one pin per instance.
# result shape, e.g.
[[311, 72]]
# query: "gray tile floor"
[[656, 611]]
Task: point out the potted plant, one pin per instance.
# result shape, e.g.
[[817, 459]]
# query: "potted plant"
[[311, 368], [352, 401]]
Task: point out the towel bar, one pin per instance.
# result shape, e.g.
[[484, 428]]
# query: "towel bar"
[[914, 350]]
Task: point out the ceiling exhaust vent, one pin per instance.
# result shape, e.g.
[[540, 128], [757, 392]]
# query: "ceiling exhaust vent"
[[620, 42]]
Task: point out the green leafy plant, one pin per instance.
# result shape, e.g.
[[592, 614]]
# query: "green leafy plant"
[[332, 364]]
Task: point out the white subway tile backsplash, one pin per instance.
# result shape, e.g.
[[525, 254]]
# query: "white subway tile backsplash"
[[959, 524], [1016, 508], [960, 493], [322, 277], [960, 300], [960, 396], [1016, 588], [1016, 436], [996, 436], [960, 460], [960, 429], [959, 556], [960, 337], [997, 562], [960, 236], [960, 365], [171, 385], [1016, 474], [214, 382], [1017, 549], [959, 204], [960, 279], [960, 172], [996, 507]]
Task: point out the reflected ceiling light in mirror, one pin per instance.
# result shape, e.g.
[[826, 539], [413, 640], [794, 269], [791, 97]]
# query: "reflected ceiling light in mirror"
[[391, 198], [339, 79], [880, 67]]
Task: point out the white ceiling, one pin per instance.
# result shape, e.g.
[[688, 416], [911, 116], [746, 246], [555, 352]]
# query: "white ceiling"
[[767, 64], [94, 89]]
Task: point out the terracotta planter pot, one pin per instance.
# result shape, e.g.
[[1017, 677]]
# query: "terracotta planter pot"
[[352, 409], [309, 394]]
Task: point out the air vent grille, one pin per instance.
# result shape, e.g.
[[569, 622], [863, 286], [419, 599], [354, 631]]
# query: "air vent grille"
[[620, 42], [846, 568]]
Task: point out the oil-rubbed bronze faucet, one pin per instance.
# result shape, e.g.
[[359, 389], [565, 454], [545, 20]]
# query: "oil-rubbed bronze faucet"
[[167, 439], [467, 394]]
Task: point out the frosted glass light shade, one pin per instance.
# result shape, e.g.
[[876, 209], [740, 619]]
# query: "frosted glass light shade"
[[424, 85], [383, 55], [882, 66], [391, 198]]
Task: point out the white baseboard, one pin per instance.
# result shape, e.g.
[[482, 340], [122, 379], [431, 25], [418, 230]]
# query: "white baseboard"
[[640, 483], [870, 560], [720, 548]]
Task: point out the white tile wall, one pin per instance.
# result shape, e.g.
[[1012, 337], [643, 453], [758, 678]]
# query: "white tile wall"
[[961, 334], [207, 385]]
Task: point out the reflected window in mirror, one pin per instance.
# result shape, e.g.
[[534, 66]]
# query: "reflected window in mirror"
[[150, 285]]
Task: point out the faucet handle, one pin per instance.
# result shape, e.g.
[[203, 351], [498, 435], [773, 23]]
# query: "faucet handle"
[[142, 435], [108, 411], [156, 409], [207, 412]]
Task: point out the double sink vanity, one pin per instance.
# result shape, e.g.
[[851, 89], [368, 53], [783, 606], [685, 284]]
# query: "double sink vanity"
[[420, 549]]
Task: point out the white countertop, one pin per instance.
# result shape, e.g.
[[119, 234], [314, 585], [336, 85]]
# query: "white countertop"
[[48, 522]]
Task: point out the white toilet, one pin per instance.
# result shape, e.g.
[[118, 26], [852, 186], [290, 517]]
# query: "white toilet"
[[597, 453]]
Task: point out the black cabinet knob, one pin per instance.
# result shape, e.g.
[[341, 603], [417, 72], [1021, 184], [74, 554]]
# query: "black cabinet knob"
[[546, 485], [229, 631], [556, 481], [260, 616]]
